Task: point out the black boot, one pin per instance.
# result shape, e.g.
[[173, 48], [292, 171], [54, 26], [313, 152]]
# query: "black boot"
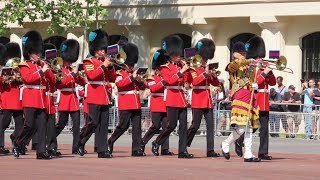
[[185, 155], [265, 157], [253, 159], [212, 154], [226, 155], [155, 148], [4, 150], [166, 152], [238, 148], [104, 155], [54, 152], [138, 153], [23, 150], [80, 150], [15, 152], [44, 156], [110, 147]]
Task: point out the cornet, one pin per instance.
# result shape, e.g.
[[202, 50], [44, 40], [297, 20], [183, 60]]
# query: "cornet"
[[14, 64]]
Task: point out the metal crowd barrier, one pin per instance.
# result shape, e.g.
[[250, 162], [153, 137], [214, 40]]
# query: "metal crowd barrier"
[[281, 124]]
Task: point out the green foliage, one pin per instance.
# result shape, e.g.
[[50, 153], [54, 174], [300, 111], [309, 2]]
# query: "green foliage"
[[63, 15]]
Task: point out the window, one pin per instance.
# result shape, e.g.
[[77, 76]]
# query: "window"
[[311, 56]]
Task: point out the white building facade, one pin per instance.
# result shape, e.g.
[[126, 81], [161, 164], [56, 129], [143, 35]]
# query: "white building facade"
[[290, 26]]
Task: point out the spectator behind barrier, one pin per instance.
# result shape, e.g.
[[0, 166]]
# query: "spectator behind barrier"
[[292, 97], [316, 97], [280, 87], [274, 119], [307, 91]]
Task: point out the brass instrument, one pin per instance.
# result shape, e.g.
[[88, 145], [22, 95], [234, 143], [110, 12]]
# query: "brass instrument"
[[279, 64], [14, 64], [118, 59], [55, 66], [82, 74], [195, 61]]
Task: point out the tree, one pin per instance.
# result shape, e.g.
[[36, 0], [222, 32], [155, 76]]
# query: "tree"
[[63, 15]]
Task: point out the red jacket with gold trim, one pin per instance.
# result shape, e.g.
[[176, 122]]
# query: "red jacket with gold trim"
[[156, 84], [201, 95], [262, 96], [128, 91], [68, 98], [98, 77]]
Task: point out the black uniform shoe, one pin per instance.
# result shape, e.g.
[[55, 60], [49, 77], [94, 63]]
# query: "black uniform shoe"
[[212, 154], [4, 151], [110, 146], [253, 159], [54, 152], [155, 148], [226, 155], [43, 156], [23, 150], [15, 152], [185, 155], [80, 151], [166, 152], [34, 146], [104, 155], [138, 153], [265, 157], [238, 148]]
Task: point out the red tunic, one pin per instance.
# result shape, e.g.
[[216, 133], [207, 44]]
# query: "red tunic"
[[201, 96], [264, 80], [10, 96], [174, 97], [35, 82], [68, 99], [156, 84], [51, 108], [98, 76], [128, 91]]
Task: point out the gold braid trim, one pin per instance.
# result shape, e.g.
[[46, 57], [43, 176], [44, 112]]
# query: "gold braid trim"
[[245, 105]]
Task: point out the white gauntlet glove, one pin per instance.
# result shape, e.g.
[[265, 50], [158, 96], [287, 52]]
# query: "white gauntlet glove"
[[255, 86]]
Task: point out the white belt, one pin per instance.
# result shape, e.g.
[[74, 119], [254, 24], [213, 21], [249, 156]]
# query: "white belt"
[[174, 87], [35, 86], [201, 87], [49, 94], [262, 90], [97, 82], [128, 92], [157, 94], [67, 90]]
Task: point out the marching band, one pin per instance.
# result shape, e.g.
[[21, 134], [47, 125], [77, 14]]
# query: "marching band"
[[27, 88]]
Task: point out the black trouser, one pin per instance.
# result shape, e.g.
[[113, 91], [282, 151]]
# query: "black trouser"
[[63, 120], [5, 120], [159, 119], [51, 132], [98, 119], [264, 133], [35, 121], [197, 114], [124, 121], [175, 114]]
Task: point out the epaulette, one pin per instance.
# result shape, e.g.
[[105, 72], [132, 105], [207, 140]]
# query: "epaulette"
[[23, 63], [118, 73], [88, 59], [165, 65], [150, 78]]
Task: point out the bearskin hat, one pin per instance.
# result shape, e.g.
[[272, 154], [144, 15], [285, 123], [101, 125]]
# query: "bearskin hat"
[[173, 44], [238, 47], [255, 48], [3, 52], [13, 50], [206, 48], [160, 57], [31, 43], [98, 39], [69, 50], [132, 53]]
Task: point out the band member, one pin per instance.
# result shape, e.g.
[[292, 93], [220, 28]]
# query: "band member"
[[244, 107], [35, 76], [99, 71], [201, 102], [174, 74], [265, 78], [129, 105], [68, 100], [158, 111]]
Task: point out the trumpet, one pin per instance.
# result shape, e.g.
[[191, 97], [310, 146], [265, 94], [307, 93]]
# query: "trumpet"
[[14, 64]]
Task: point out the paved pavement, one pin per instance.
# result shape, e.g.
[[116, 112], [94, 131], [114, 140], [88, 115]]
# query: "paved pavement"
[[277, 145]]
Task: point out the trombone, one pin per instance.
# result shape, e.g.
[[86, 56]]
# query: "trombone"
[[55, 66], [279, 64], [118, 59]]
